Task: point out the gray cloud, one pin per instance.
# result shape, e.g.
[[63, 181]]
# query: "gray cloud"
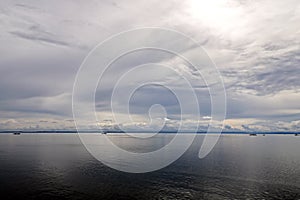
[[254, 44], [36, 37], [274, 69]]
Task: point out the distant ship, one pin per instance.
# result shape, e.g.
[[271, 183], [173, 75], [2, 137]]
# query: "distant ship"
[[296, 134], [17, 133], [104, 132], [253, 134]]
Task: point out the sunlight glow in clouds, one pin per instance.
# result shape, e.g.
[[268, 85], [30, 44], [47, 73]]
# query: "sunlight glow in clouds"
[[221, 15]]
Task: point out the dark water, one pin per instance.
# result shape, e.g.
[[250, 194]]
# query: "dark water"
[[57, 166]]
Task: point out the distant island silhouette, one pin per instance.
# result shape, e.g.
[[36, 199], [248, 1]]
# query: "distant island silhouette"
[[139, 131]]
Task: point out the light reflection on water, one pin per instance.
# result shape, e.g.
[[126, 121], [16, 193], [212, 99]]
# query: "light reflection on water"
[[35, 166]]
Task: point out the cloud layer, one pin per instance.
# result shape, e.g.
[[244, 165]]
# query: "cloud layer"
[[254, 44]]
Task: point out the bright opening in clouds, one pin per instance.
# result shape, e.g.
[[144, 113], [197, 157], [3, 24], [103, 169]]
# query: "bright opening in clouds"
[[255, 45]]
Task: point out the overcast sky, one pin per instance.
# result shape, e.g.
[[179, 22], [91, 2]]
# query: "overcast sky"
[[255, 44]]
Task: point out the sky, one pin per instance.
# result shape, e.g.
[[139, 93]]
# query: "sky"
[[254, 44]]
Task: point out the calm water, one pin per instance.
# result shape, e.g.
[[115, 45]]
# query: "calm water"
[[47, 166]]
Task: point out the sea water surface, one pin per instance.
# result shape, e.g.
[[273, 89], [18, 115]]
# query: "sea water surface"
[[57, 166]]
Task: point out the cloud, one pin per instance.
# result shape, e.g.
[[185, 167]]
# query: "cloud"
[[34, 36], [42, 105], [254, 44]]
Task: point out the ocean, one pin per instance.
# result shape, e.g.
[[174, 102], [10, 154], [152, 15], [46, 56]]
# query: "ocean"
[[57, 166]]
